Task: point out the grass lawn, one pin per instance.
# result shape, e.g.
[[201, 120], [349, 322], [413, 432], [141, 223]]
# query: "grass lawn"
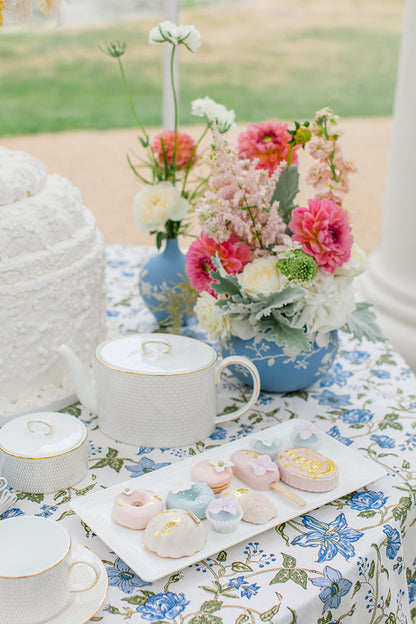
[[282, 59]]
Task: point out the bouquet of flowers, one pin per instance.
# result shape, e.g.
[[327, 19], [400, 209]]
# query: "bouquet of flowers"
[[162, 206], [264, 267]]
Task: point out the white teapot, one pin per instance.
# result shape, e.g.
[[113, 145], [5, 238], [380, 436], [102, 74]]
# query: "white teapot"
[[156, 390]]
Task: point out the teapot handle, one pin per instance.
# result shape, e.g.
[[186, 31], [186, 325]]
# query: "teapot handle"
[[247, 363]]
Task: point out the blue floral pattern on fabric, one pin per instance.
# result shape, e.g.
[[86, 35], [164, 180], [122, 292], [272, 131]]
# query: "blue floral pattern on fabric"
[[333, 538], [120, 575], [333, 588], [350, 561], [163, 606]]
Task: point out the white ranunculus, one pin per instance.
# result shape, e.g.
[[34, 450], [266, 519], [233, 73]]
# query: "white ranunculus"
[[208, 108], [356, 265], [327, 305], [218, 327], [261, 275], [176, 34], [156, 204]]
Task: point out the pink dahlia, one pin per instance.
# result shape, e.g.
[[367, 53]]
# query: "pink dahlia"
[[324, 232], [185, 146], [268, 142], [233, 255]]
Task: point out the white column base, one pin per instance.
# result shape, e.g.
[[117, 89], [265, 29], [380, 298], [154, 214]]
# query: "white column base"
[[394, 300]]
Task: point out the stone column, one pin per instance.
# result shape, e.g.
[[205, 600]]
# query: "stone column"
[[390, 282]]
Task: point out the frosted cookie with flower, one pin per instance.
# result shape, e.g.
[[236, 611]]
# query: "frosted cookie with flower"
[[215, 473]]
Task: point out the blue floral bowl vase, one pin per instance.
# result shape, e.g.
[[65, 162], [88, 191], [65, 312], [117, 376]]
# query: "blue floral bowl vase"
[[280, 372], [165, 288]]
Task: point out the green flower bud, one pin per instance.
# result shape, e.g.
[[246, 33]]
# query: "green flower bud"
[[302, 135], [115, 50], [298, 267]]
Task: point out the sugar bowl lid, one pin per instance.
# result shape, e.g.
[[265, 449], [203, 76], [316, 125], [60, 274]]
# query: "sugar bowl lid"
[[42, 434], [155, 354]]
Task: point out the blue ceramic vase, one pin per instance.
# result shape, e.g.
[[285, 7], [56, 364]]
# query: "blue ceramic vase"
[[280, 372], [165, 288]]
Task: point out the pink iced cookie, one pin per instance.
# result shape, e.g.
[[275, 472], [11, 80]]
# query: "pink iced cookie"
[[260, 473], [308, 470], [215, 473], [134, 508]]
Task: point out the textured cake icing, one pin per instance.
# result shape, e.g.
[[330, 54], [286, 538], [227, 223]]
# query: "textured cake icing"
[[52, 282]]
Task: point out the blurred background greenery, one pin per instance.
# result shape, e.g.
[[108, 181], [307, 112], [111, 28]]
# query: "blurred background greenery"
[[279, 59]]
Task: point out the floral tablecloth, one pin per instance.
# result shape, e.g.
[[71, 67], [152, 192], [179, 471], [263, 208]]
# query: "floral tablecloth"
[[351, 561]]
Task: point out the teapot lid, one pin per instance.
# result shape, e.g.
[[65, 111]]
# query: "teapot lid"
[[156, 354], [42, 434]]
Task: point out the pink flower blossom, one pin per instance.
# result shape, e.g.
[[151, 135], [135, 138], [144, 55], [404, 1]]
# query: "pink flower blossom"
[[185, 146], [324, 232], [268, 142], [233, 255], [262, 464]]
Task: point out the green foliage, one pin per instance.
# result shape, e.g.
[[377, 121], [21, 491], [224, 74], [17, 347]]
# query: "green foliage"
[[267, 313], [362, 324], [287, 188]]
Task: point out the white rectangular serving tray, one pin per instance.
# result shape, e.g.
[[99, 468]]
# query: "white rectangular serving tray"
[[355, 471]]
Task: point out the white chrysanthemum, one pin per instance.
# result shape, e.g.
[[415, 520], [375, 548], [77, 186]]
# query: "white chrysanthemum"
[[327, 305], [208, 108], [218, 327], [176, 34], [156, 204]]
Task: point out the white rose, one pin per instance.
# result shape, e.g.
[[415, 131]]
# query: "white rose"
[[356, 265], [156, 204], [171, 33], [208, 108], [218, 327], [261, 275]]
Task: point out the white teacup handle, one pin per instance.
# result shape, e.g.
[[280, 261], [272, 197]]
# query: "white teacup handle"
[[84, 559], [247, 363]]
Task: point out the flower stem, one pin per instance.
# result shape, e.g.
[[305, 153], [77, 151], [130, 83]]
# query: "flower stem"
[[190, 162], [133, 110], [175, 105]]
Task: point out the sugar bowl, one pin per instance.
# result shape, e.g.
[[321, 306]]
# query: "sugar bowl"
[[43, 452]]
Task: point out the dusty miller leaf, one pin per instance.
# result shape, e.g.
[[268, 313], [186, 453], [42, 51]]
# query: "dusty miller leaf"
[[362, 324]]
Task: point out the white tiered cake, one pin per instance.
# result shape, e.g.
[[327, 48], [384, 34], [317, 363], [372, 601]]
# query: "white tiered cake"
[[52, 282]]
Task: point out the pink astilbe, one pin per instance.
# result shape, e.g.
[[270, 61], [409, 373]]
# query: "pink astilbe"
[[238, 201], [185, 146], [324, 232], [267, 143], [233, 255]]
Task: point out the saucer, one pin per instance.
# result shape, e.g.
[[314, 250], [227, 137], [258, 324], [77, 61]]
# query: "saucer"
[[86, 603]]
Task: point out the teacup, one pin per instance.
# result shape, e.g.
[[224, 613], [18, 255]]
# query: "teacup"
[[36, 570]]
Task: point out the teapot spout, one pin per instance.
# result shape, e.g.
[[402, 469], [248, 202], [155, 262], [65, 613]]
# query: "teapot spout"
[[84, 386]]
